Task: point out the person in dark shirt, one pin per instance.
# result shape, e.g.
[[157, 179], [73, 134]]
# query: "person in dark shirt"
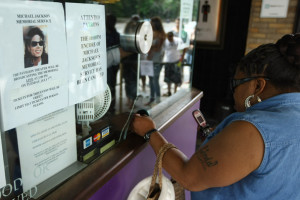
[[112, 40]]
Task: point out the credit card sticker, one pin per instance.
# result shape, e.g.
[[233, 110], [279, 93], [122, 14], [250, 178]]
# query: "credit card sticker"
[[105, 132], [96, 137], [87, 142]]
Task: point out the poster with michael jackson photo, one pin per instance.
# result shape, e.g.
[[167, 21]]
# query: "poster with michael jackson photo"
[[33, 61]]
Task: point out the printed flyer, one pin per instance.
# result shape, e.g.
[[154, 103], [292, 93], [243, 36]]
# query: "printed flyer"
[[2, 171], [147, 68], [209, 18], [85, 24], [274, 8], [33, 61], [47, 146], [186, 13]]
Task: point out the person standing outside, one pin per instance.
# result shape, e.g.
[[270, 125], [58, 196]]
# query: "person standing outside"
[[171, 60], [130, 64], [112, 40], [182, 51], [156, 55]]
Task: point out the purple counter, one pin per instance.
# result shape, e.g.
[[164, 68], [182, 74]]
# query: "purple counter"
[[114, 174], [182, 133]]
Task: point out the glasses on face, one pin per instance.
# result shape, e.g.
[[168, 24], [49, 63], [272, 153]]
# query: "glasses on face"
[[236, 82], [35, 43]]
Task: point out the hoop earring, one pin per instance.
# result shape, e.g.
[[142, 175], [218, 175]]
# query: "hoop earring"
[[248, 103]]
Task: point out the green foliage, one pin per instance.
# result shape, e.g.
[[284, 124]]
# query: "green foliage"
[[166, 9]]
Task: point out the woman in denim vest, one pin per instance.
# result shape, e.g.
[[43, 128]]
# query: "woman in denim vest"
[[254, 152]]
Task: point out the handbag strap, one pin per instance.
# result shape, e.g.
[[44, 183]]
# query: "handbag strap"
[[158, 166]]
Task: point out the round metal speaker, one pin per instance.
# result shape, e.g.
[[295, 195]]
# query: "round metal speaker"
[[144, 37], [139, 40]]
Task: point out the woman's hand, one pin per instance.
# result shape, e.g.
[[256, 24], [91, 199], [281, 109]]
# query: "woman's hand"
[[142, 124]]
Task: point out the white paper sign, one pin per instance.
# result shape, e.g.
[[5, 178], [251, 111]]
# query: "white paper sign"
[[47, 146], [186, 12], [274, 8], [87, 50], [2, 171], [208, 23], [147, 68], [33, 61]]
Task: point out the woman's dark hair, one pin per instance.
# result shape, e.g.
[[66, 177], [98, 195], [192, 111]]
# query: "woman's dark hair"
[[157, 25], [32, 32], [111, 21], [131, 26], [280, 62]]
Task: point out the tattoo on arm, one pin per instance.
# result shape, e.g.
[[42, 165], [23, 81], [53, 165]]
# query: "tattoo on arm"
[[205, 160]]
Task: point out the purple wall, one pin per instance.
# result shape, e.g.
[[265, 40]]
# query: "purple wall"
[[182, 133]]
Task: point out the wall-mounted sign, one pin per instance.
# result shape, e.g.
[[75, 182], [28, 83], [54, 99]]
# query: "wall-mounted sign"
[[186, 27], [87, 50], [209, 18], [274, 8], [33, 61], [2, 171], [47, 146]]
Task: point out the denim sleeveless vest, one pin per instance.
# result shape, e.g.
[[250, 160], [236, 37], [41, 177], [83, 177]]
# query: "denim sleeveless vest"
[[278, 176]]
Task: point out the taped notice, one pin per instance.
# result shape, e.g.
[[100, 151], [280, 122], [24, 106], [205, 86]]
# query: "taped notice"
[[47, 146], [33, 61], [87, 52]]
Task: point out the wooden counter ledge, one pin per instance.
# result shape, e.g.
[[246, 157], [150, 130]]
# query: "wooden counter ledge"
[[86, 182]]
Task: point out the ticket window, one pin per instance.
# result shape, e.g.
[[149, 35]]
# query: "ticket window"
[[157, 76], [138, 81]]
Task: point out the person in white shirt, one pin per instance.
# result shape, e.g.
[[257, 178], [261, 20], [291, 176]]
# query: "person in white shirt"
[[172, 59]]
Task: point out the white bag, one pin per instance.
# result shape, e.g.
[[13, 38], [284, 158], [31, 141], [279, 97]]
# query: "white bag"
[[141, 190], [163, 190]]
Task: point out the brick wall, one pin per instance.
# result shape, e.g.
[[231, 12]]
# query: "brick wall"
[[268, 30]]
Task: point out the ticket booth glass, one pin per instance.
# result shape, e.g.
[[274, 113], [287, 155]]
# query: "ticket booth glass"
[[139, 81], [153, 80]]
